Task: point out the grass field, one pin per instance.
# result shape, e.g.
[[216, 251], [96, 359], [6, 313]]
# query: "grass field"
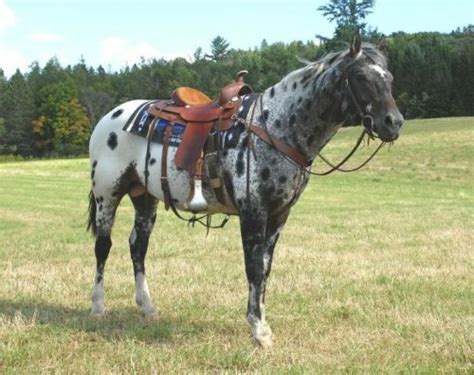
[[373, 273]]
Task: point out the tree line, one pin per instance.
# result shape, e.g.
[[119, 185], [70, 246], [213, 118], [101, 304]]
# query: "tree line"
[[51, 110]]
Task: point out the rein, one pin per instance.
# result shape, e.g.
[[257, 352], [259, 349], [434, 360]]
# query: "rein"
[[338, 166], [295, 157], [367, 122]]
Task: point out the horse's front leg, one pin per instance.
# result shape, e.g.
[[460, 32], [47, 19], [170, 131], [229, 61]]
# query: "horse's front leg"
[[145, 216], [259, 236]]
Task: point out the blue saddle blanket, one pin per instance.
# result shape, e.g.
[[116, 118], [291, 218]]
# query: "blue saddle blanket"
[[140, 122]]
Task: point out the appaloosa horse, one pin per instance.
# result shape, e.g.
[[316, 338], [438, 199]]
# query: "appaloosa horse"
[[304, 111]]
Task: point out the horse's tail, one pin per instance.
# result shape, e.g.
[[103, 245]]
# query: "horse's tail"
[[91, 223]]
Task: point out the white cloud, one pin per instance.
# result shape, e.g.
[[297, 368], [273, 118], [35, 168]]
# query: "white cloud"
[[7, 18], [45, 37], [11, 60], [119, 52]]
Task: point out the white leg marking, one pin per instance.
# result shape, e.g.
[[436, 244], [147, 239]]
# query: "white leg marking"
[[143, 298], [260, 329], [98, 294]]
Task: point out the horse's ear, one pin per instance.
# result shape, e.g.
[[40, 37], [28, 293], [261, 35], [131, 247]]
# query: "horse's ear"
[[382, 43], [355, 44]]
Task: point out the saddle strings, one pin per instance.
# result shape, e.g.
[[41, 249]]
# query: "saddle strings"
[[194, 218]]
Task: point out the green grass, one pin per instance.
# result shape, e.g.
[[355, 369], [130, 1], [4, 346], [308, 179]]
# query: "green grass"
[[373, 273]]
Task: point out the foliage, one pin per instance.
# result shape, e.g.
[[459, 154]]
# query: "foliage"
[[52, 110], [63, 125], [219, 48], [16, 111], [349, 16]]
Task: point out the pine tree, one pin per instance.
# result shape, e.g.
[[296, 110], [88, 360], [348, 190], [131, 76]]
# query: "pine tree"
[[349, 16], [3, 86], [17, 111], [219, 48]]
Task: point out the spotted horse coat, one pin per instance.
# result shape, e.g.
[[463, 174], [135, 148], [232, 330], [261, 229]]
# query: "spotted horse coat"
[[304, 110]]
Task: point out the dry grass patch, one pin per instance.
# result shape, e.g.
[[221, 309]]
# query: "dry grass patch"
[[373, 273]]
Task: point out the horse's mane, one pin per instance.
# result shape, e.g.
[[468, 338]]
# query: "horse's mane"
[[370, 50]]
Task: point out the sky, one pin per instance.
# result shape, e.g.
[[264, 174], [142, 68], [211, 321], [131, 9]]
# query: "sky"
[[116, 33]]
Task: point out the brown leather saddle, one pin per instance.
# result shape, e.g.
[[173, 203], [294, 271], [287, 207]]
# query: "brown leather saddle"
[[200, 115]]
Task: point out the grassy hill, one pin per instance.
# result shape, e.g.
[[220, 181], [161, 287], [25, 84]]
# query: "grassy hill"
[[374, 272]]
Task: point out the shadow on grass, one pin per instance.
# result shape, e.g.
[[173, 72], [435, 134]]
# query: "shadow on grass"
[[125, 323]]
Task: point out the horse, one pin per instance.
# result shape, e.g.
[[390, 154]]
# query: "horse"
[[304, 111]]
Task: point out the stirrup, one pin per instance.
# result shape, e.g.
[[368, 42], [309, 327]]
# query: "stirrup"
[[197, 203]]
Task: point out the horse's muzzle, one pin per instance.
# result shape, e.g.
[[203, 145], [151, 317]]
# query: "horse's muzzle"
[[388, 129]]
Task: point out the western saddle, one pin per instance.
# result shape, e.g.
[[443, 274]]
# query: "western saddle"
[[200, 115]]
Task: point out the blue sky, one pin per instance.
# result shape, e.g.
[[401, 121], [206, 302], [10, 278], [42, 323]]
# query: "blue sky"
[[118, 32]]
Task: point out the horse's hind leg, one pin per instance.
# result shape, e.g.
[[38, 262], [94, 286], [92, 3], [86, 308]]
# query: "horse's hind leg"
[[105, 207], [145, 216]]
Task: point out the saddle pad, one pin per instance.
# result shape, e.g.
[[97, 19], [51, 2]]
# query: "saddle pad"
[[140, 122]]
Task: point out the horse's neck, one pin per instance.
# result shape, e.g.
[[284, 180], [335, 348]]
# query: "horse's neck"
[[304, 109]]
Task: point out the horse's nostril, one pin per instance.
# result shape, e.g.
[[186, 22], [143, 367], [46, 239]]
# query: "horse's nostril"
[[389, 120]]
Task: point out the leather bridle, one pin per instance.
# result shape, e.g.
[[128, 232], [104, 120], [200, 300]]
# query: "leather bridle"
[[367, 120]]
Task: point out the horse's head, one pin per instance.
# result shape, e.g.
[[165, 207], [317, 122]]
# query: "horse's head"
[[369, 87]]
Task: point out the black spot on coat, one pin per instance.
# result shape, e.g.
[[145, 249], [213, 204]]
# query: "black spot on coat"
[[117, 113], [266, 114], [112, 141], [292, 120], [240, 167]]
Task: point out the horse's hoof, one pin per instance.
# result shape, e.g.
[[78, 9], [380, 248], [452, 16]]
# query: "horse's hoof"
[[265, 342], [97, 315], [264, 338], [152, 317]]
